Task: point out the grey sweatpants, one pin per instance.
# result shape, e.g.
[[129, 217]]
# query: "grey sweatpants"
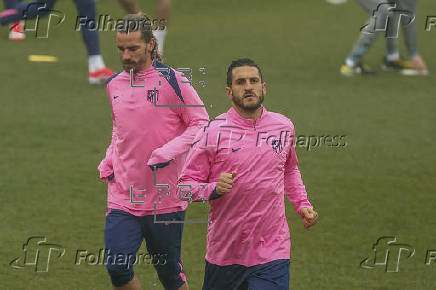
[[386, 17]]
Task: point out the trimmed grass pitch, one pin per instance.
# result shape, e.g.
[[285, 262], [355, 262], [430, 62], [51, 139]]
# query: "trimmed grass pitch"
[[55, 128]]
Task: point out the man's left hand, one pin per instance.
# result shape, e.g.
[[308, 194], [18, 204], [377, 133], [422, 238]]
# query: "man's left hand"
[[310, 217]]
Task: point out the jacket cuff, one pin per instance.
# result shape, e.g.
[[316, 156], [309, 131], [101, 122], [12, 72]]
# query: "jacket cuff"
[[157, 158], [105, 171], [301, 204], [214, 195]]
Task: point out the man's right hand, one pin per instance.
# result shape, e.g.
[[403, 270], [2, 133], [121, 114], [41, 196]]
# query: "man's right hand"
[[225, 183]]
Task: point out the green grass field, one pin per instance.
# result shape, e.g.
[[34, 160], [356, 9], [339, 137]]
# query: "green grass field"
[[55, 128]]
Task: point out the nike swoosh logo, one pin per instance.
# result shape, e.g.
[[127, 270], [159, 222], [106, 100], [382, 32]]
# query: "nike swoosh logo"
[[115, 97], [235, 149]]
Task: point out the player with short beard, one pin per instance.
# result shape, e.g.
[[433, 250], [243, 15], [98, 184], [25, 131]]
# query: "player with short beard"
[[243, 164]]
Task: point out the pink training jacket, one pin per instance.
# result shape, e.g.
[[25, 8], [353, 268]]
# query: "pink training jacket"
[[249, 225], [151, 124]]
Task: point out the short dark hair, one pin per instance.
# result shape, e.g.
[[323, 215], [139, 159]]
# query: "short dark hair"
[[142, 23], [241, 62]]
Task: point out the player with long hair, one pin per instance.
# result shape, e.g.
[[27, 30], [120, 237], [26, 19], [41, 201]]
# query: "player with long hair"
[[156, 115]]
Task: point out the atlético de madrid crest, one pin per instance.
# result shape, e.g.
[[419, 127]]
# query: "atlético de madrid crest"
[[152, 94]]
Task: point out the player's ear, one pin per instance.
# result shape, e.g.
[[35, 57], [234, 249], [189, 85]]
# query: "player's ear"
[[264, 88], [153, 44], [229, 92], [150, 45]]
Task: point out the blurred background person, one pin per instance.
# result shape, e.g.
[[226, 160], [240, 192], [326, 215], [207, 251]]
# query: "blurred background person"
[[17, 11], [161, 12], [384, 18]]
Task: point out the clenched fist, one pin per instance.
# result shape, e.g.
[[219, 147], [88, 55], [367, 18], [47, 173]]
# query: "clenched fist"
[[225, 182], [310, 217]]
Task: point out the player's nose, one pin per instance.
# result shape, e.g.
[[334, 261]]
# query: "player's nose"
[[125, 55], [248, 86]]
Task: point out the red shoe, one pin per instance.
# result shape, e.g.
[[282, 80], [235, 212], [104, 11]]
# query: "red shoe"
[[16, 31], [100, 76]]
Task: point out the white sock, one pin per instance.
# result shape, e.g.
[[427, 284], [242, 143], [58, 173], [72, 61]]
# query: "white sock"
[[350, 62], [393, 56], [160, 38], [95, 62]]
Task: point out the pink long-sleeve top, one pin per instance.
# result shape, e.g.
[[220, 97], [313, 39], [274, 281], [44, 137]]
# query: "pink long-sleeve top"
[[156, 114], [248, 224]]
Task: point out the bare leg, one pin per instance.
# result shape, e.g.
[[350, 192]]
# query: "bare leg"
[[132, 285], [162, 10], [162, 14], [130, 6]]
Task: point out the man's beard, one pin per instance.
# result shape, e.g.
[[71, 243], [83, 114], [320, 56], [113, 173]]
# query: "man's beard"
[[136, 66], [248, 108], [128, 67]]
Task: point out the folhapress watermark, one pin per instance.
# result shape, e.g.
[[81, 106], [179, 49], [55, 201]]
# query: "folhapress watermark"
[[387, 18], [39, 255], [388, 254], [430, 22], [105, 257], [104, 22], [36, 10]]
